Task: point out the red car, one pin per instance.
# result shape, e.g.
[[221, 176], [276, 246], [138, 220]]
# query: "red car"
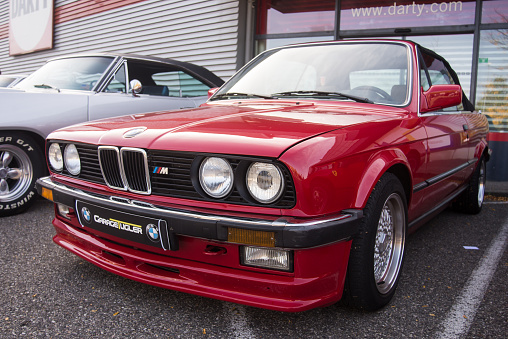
[[294, 186]]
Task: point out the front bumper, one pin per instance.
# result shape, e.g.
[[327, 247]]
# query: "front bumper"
[[320, 248]]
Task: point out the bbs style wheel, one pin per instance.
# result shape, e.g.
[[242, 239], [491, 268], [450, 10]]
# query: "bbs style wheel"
[[377, 252], [21, 164]]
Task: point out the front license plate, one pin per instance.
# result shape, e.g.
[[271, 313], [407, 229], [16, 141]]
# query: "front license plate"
[[140, 229]]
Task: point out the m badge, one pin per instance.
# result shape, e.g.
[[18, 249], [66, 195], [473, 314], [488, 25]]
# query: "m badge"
[[161, 170]]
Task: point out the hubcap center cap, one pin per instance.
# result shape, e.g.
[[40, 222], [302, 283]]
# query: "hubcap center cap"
[[3, 173]]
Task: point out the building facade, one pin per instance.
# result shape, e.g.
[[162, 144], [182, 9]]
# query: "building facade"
[[223, 35]]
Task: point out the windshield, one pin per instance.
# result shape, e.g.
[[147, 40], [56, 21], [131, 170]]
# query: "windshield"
[[6, 80], [367, 72], [80, 73]]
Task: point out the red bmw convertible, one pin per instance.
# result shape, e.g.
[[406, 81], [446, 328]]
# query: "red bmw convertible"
[[293, 187]]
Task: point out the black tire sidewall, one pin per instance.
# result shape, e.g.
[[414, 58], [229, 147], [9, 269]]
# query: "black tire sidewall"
[[361, 285], [24, 143]]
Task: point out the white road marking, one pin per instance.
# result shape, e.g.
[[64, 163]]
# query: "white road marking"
[[238, 319], [462, 313]]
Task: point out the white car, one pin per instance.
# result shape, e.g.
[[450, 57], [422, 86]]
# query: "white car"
[[72, 89]]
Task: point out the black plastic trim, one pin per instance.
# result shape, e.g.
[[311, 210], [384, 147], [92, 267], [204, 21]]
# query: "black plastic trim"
[[289, 232], [434, 180]]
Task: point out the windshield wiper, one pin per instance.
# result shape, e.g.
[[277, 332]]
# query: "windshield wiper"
[[321, 93], [236, 94], [46, 87]]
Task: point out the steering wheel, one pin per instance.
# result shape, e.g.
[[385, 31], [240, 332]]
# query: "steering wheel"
[[378, 91]]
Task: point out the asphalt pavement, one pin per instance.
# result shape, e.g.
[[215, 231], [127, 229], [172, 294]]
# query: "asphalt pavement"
[[453, 286]]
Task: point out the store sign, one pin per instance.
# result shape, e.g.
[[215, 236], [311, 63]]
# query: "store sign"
[[405, 13], [30, 26]]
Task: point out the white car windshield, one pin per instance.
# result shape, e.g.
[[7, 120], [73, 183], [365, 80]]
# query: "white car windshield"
[[76, 73], [366, 72]]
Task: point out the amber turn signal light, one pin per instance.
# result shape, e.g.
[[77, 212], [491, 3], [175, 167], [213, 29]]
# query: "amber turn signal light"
[[47, 193], [250, 237]]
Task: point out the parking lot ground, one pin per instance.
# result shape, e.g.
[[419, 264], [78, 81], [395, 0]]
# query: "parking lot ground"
[[49, 292]]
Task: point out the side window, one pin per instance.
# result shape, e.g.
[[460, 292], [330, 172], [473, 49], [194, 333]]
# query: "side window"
[[118, 84], [180, 84], [434, 72], [165, 80]]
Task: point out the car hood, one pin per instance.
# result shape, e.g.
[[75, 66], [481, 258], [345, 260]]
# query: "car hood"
[[253, 128]]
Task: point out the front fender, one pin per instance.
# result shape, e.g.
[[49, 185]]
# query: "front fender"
[[326, 182], [386, 160]]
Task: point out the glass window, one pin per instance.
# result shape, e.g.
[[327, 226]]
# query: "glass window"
[[377, 71], [179, 84], [494, 11], [6, 80], [437, 73], [264, 44], [118, 84], [290, 16], [492, 88], [456, 49], [365, 14], [80, 73]]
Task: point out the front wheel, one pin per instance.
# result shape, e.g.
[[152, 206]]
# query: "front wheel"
[[21, 164], [377, 251]]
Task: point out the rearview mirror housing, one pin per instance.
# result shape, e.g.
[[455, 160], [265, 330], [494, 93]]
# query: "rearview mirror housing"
[[440, 96]]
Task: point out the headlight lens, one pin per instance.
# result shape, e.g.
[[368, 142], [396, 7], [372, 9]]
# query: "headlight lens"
[[71, 158], [55, 157], [216, 177], [264, 182]]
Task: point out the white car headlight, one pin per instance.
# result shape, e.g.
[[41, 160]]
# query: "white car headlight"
[[55, 157], [265, 182], [216, 177], [71, 159]]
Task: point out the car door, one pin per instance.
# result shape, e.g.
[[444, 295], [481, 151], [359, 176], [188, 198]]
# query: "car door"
[[163, 88], [448, 146]]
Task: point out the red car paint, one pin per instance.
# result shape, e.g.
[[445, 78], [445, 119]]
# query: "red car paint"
[[335, 152]]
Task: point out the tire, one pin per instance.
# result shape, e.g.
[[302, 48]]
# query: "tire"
[[21, 164], [377, 252], [471, 200]]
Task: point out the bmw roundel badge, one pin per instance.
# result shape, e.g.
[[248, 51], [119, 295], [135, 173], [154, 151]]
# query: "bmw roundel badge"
[[86, 214], [153, 232]]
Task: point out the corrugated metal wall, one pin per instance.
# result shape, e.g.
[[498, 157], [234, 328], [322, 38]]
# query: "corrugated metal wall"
[[202, 32]]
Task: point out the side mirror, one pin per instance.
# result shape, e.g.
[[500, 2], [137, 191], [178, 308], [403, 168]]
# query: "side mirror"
[[136, 87], [441, 96], [212, 91]]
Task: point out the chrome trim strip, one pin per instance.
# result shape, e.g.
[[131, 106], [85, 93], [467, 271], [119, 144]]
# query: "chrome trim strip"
[[145, 165], [117, 201], [120, 169]]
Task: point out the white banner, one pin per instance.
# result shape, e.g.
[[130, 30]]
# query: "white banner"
[[30, 26]]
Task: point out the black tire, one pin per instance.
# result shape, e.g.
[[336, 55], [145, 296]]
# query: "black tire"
[[21, 164], [471, 200], [377, 252]]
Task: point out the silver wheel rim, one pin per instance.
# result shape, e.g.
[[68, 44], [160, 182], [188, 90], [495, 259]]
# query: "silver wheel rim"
[[15, 173], [389, 246], [481, 184]]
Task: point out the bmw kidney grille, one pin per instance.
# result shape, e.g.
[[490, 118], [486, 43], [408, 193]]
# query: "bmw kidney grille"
[[125, 168]]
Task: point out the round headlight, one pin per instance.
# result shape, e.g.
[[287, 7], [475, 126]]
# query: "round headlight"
[[55, 157], [264, 182], [71, 158], [216, 177]]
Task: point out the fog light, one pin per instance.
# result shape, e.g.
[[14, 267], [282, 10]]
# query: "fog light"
[[65, 211], [275, 259]]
